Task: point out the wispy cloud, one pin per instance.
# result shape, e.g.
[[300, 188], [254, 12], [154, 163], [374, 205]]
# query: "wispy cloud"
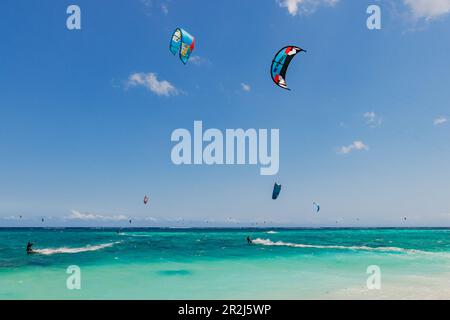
[[150, 81], [12, 218], [150, 219], [372, 119], [246, 87], [77, 215], [428, 9], [165, 9], [147, 3], [440, 121], [152, 6], [295, 7], [355, 146], [199, 61]]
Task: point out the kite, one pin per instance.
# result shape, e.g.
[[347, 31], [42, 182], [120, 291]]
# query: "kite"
[[317, 207], [183, 43], [276, 191], [146, 200], [280, 64]]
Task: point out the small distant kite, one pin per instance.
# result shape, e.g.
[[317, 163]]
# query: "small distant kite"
[[276, 191], [129, 221], [281, 63], [183, 43], [146, 199], [317, 207], [42, 220]]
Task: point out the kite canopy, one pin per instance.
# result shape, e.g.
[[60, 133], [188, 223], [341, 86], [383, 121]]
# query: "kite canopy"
[[281, 63], [146, 200], [276, 191], [183, 43], [317, 207]]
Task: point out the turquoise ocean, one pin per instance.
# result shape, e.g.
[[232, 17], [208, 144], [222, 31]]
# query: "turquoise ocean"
[[219, 264]]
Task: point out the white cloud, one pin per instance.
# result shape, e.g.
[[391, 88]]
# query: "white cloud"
[[372, 119], [420, 9], [246, 87], [165, 9], [150, 219], [428, 9], [304, 6], [199, 61], [77, 215], [440, 121], [12, 218], [355, 146], [152, 7], [147, 3], [151, 82]]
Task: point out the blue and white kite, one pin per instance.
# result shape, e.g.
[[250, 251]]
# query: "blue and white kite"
[[183, 43], [317, 207]]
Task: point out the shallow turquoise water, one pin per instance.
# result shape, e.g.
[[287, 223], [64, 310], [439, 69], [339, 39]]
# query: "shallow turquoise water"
[[218, 264]]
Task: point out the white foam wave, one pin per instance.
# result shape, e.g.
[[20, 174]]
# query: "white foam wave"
[[271, 232], [50, 251], [268, 242], [134, 235]]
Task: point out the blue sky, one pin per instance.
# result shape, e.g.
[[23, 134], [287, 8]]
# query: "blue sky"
[[364, 130]]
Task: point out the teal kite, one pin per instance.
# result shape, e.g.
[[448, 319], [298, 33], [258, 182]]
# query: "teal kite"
[[276, 191], [183, 43]]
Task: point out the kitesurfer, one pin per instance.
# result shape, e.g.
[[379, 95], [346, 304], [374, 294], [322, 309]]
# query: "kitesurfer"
[[29, 247], [249, 241]]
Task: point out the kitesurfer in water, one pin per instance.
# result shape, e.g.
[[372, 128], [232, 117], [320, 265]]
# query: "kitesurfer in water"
[[249, 241], [29, 247]]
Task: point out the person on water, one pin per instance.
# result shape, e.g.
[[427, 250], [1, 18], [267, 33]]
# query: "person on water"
[[249, 241], [29, 247]]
